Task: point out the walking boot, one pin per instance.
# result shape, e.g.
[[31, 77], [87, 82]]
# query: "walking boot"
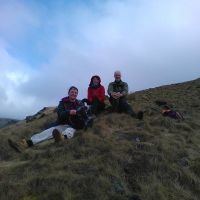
[[58, 136], [19, 146], [140, 115]]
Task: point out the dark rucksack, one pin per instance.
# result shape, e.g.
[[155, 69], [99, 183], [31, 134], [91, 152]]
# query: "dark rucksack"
[[173, 114], [79, 120]]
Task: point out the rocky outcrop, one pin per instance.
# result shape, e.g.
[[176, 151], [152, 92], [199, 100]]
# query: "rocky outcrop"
[[40, 114]]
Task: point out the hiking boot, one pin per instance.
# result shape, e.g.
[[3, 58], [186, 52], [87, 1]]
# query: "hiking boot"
[[140, 115], [57, 135], [19, 146]]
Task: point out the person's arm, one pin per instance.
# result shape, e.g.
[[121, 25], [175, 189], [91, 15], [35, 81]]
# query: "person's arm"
[[62, 112], [101, 95], [111, 92], [90, 95], [110, 89], [125, 89], [79, 108]]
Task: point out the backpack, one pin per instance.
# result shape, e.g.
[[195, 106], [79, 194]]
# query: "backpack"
[[78, 121], [173, 114]]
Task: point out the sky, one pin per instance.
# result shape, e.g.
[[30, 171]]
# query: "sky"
[[46, 46]]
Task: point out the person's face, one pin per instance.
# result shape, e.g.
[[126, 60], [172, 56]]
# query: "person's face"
[[95, 81], [73, 94], [117, 76]]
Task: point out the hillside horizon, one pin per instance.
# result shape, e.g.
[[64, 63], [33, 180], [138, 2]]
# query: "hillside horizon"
[[7, 121], [119, 158]]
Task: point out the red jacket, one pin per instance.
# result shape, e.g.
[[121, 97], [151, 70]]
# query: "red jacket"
[[99, 93], [96, 91]]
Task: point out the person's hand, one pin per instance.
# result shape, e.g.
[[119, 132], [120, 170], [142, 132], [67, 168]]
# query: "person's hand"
[[113, 94], [72, 112], [116, 95]]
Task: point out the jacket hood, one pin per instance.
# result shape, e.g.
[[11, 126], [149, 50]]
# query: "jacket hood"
[[66, 99]]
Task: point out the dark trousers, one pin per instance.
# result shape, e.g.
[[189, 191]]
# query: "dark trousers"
[[96, 107], [120, 105]]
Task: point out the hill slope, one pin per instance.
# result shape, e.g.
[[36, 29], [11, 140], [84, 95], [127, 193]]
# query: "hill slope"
[[120, 158], [5, 122]]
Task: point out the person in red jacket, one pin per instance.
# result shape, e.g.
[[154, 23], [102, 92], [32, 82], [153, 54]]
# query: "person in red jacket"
[[96, 95]]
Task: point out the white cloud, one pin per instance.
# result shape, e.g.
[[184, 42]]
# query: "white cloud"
[[15, 19], [17, 77], [14, 74]]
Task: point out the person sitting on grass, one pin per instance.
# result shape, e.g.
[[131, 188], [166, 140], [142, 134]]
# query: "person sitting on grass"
[[72, 115], [96, 96], [118, 92]]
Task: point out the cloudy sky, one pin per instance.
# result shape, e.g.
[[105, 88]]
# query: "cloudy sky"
[[48, 45]]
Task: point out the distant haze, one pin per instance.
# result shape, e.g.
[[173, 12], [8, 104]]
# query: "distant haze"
[[47, 46]]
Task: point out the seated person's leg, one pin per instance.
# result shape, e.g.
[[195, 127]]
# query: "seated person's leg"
[[78, 121], [42, 136], [115, 104], [101, 107], [95, 104], [98, 106], [125, 107]]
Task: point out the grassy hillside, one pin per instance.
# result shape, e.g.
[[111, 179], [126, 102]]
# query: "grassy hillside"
[[5, 122], [120, 158]]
